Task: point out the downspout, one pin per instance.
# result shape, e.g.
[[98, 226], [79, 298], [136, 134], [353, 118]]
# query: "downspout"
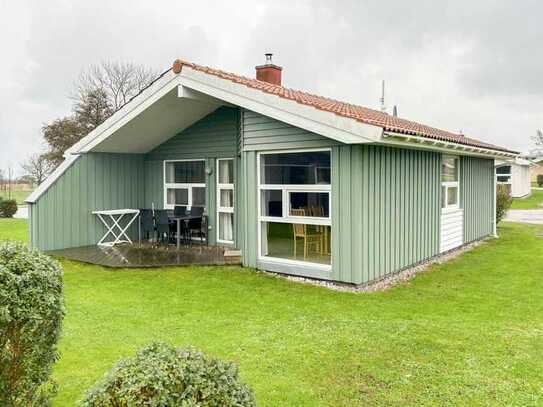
[[494, 222]]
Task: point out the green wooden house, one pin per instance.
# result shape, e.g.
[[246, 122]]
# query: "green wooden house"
[[299, 184]]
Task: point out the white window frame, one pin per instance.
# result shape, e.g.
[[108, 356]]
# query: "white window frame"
[[188, 187], [509, 174], [286, 189], [225, 209], [449, 184]]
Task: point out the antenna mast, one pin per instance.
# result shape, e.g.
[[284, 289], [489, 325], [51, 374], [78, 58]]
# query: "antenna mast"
[[383, 107]]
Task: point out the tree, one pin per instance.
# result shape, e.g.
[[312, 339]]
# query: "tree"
[[37, 168], [60, 135], [100, 91], [538, 141], [91, 108], [120, 81]]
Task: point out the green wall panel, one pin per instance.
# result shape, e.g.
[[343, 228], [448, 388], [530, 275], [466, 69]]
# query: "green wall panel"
[[477, 196], [385, 210], [62, 216], [264, 133]]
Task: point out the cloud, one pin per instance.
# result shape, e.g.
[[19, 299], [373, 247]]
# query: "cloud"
[[473, 66]]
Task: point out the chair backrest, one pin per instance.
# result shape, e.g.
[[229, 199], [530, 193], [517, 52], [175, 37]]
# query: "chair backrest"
[[162, 221], [179, 210], [317, 211], [197, 210], [147, 222], [298, 229]]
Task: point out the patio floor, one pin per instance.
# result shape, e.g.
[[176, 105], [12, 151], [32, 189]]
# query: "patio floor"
[[147, 255]]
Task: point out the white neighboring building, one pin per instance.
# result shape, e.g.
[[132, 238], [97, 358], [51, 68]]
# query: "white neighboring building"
[[516, 175]]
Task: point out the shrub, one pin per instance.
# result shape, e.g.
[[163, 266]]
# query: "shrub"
[[31, 312], [8, 208], [503, 202], [161, 375], [540, 180]]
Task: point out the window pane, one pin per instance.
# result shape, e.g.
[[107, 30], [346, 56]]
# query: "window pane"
[[296, 168], [177, 196], [226, 171], [226, 226], [198, 196], [452, 196], [272, 203], [185, 172], [504, 178], [506, 169], [227, 198], [449, 169], [314, 204], [309, 243], [443, 196]]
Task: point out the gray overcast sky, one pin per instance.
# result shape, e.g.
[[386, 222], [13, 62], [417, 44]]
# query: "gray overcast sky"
[[470, 65]]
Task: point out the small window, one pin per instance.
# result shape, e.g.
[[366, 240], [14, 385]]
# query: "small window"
[[450, 197], [503, 174]]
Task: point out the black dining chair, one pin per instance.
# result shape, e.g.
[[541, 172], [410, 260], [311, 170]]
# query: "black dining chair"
[[162, 225], [147, 224], [179, 210], [197, 224]]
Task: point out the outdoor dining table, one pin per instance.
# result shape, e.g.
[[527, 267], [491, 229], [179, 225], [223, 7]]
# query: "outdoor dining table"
[[185, 219]]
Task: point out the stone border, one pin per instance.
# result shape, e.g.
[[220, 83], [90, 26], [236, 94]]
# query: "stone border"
[[390, 280]]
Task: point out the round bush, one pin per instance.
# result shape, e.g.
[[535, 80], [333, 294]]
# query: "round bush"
[[162, 375], [31, 312], [8, 208]]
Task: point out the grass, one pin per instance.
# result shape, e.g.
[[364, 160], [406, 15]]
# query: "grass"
[[19, 196], [532, 202], [14, 229], [467, 332]]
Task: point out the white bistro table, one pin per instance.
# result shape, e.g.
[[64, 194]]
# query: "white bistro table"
[[112, 220]]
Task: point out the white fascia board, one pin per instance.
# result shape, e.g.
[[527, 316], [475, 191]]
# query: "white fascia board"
[[327, 124], [408, 141], [141, 102], [50, 180]]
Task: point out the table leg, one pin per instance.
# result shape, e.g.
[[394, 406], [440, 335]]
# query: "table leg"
[[178, 237], [189, 237]]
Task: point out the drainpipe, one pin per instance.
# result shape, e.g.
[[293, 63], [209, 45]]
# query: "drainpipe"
[[494, 222]]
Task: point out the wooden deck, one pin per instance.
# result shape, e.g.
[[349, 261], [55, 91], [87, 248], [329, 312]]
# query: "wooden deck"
[[147, 255]]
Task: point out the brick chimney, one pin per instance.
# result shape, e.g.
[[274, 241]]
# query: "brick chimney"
[[269, 72]]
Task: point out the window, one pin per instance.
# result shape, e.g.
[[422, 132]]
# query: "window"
[[503, 174], [450, 196], [184, 183], [295, 210], [225, 200]]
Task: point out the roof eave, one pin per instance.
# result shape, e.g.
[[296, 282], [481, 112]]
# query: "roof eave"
[[407, 140]]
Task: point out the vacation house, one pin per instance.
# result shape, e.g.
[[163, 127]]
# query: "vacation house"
[[300, 184]]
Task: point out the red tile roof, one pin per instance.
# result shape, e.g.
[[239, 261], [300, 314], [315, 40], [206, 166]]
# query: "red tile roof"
[[359, 113]]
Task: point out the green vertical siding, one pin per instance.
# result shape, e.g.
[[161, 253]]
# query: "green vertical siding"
[[249, 209], [214, 136], [385, 210], [264, 133], [62, 216], [477, 197]]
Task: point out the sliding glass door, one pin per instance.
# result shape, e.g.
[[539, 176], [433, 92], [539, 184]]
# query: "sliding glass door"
[[184, 183], [225, 200]]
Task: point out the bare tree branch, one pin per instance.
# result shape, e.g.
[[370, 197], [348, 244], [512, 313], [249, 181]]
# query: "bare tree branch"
[[37, 168]]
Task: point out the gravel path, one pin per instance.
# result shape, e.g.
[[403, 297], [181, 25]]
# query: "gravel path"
[[525, 216]]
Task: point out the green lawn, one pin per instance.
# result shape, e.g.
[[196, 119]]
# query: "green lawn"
[[19, 196], [468, 332], [532, 202]]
